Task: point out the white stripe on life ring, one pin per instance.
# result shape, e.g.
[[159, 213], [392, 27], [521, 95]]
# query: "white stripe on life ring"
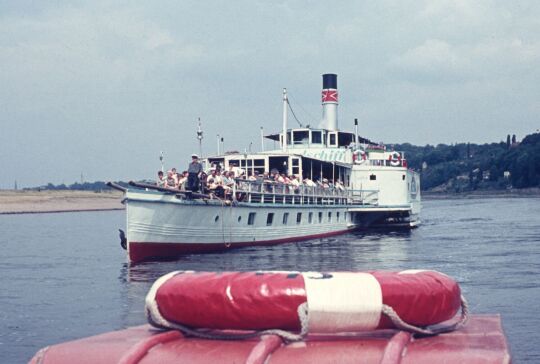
[[343, 302]]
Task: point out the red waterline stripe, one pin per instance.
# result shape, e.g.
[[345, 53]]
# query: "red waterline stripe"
[[139, 251]]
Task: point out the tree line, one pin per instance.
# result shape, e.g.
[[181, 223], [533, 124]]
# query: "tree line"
[[455, 168], [467, 166]]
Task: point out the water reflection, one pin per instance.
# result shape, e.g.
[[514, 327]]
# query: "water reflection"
[[351, 252], [354, 251]]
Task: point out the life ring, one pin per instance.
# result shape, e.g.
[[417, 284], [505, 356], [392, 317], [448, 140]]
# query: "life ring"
[[359, 156], [395, 159], [334, 302]]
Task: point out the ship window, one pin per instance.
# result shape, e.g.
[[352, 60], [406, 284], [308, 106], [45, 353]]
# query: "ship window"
[[285, 218], [251, 218], [372, 177], [217, 218], [270, 219], [299, 218], [331, 139], [301, 137], [320, 217], [403, 177], [337, 216], [329, 217], [316, 137], [239, 218], [310, 218]]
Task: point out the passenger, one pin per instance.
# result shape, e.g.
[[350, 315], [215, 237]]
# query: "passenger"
[[258, 177], [194, 171], [203, 179], [252, 178], [175, 177], [308, 182], [171, 181], [237, 171], [267, 182], [215, 183], [161, 181], [295, 181], [182, 180], [228, 184], [218, 179], [325, 184], [295, 184], [231, 170]]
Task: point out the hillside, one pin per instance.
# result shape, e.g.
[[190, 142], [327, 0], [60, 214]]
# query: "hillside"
[[467, 167]]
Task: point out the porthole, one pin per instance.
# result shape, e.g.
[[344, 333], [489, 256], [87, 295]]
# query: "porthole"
[[239, 218], [217, 218]]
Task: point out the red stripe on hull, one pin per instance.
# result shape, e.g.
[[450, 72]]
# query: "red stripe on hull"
[[139, 251]]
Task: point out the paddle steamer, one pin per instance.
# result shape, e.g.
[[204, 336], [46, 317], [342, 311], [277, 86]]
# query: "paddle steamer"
[[379, 191]]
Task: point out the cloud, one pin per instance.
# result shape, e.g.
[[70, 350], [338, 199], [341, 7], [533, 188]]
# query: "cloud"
[[81, 75], [432, 58]]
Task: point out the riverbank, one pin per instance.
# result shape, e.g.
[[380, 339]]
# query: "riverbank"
[[522, 192], [47, 201]]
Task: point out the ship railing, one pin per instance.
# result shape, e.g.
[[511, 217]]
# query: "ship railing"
[[364, 197], [279, 193]]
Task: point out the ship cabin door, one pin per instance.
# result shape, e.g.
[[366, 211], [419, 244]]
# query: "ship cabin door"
[[281, 164]]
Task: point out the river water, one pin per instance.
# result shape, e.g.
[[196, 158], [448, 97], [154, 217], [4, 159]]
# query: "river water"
[[64, 276]]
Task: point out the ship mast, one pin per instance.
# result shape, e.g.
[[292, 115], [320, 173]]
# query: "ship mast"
[[200, 137], [284, 139]]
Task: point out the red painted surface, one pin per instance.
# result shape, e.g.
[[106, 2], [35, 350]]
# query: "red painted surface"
[[420, 299], [480, 341], [233, 300], [140, 251], [258, 301]]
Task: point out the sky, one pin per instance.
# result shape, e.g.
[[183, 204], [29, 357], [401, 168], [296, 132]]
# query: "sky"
[[97, 89]]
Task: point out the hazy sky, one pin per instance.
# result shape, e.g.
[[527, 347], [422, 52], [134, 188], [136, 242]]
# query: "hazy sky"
[[101, 87]]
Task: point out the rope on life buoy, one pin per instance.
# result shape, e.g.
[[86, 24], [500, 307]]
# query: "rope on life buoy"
[[402, 325], [153, 312]]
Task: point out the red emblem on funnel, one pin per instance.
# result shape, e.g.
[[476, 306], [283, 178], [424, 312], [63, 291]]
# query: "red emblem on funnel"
[[329, 96]]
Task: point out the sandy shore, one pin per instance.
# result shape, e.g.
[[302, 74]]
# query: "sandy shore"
[[27, 202]]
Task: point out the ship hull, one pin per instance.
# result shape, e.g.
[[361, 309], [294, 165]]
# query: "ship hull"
[[163, 226]]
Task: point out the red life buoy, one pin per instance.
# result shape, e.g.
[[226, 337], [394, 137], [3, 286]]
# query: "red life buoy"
[[395, 159], [356, 154], [334, 302]]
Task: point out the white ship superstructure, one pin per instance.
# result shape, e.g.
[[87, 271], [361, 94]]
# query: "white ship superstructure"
[[360, 185]]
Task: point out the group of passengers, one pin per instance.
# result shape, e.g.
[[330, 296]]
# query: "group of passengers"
[[188, 180], [221, 183]]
